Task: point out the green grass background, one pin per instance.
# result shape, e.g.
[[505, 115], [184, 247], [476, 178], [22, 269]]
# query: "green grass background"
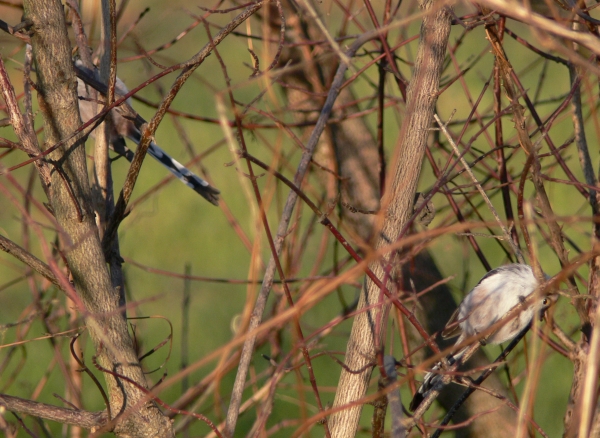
[[176, 227]]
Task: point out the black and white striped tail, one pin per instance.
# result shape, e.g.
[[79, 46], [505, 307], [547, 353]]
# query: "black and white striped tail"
[[431, 380], [184, 175], [124, 127]]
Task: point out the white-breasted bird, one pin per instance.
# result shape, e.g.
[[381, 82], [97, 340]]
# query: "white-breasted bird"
[[125, 128], [496, 295]]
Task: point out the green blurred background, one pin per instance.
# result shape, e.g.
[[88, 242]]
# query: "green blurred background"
[[176, 227]]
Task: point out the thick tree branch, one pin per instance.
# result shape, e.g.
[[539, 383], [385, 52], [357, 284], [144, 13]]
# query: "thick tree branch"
[[70, 198], [397, 205], [85, 419], [29, 259]]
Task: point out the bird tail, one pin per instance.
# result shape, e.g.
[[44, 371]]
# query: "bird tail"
[[433, 379], [124, 127], [430, 380], [184, 175]]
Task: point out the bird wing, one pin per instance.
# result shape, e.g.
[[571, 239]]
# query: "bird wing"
[[452, 328]]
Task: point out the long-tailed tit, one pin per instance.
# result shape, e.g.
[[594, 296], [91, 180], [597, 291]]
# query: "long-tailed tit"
[[124, 127], [496, 295]]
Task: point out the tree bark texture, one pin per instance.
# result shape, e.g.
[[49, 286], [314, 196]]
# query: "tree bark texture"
[[70, 198], [351, 149], [398, 206]]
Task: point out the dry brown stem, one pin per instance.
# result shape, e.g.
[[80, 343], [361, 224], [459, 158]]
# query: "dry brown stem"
[[397, 205]]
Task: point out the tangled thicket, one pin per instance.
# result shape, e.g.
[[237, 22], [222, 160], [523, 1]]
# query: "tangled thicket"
[[376, 154]]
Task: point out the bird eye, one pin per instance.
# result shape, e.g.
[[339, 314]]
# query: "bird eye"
[[545, 301]]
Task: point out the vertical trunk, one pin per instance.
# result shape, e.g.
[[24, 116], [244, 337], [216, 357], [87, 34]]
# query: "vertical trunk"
[[70, 198], [397, 205]]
